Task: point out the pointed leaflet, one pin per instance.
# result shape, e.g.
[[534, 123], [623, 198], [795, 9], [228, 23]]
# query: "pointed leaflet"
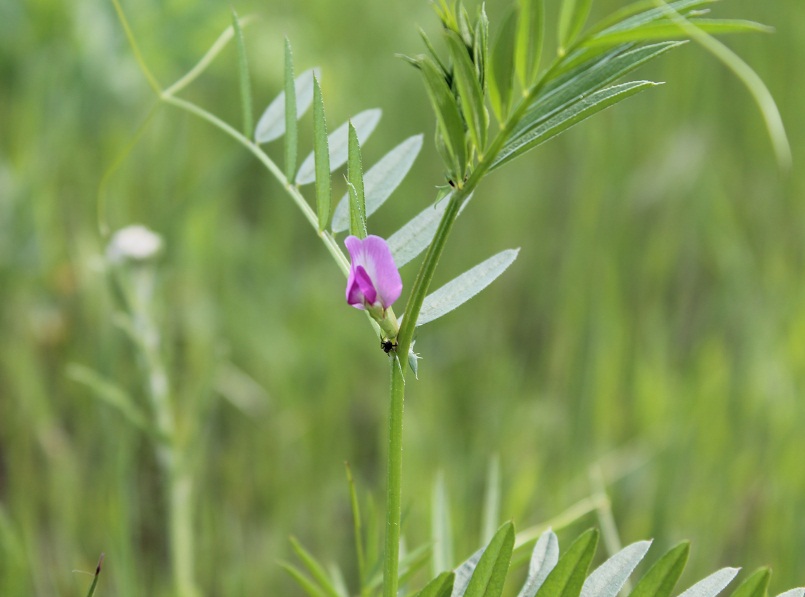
[[566, 579], [756, 585], [480, 46], [308, 586], [793, 593], [578, 83], [381, 180], [450, 129], [321, 156], [713, 584], [640, 13], [609, 577], [662, 30], [469, 90], [490, 573], [415, 236], [461, 289], [530, 34], [243, 75], [571, 20], [501, 68], [543, 560], [315, 569], [661, 578], [338, 143], [272, 123], [291, 143], [567, 118], [441, 529], [441, 586], [357, 202]]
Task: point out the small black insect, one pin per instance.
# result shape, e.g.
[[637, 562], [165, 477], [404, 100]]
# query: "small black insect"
[[388, 345]]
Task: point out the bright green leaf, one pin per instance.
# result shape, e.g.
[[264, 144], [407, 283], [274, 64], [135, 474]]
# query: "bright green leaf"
[[490, 573], [338, 144], [756, 585], [448, 118], [272, 123], [291, 141], [441, 586], [315, 569], [662, 577], [529, 40], [572, 16], [381, 180], [469, 90], [321, 156], [501, 67], [357, 199], [567, 577]]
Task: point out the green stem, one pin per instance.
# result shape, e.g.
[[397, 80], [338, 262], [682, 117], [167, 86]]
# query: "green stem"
[[394, 485]]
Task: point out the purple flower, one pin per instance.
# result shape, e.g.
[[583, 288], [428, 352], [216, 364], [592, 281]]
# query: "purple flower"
[[374, 282]]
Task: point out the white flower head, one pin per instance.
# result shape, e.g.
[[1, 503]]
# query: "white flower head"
[[133, 243]]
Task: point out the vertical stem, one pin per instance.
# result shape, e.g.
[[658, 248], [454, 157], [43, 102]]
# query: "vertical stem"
[[394, 487]]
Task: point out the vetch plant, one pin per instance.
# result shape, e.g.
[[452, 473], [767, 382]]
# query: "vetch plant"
[[494, 98]]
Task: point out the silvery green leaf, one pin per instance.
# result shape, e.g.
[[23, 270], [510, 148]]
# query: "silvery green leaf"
[[543, 560], [464, 573], [381, 180], [338, 142], [713, 584], [572, 115], [464, 287], [272, 123], [415, 236], [609, 577], [793, 593]]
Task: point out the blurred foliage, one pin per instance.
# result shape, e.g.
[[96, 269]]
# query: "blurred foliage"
[[653, 323]]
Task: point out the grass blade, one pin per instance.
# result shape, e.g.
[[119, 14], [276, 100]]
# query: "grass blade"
[[491, 508], [243, 75], [357, 526], [662, 577], [381, 180], [567, 577], [271, 125], [291, 141], [338, 144], [308, 586], [441, 529], [663, 30], [321, 157], [357, 200], [315, 569], [94, 584]]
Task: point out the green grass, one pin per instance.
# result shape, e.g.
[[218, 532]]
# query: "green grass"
[[653, 322]]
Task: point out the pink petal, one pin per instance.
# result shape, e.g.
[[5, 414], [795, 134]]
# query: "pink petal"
[[375, 256]]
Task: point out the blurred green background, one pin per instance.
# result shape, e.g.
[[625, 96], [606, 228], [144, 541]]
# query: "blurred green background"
[[654, 323]]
